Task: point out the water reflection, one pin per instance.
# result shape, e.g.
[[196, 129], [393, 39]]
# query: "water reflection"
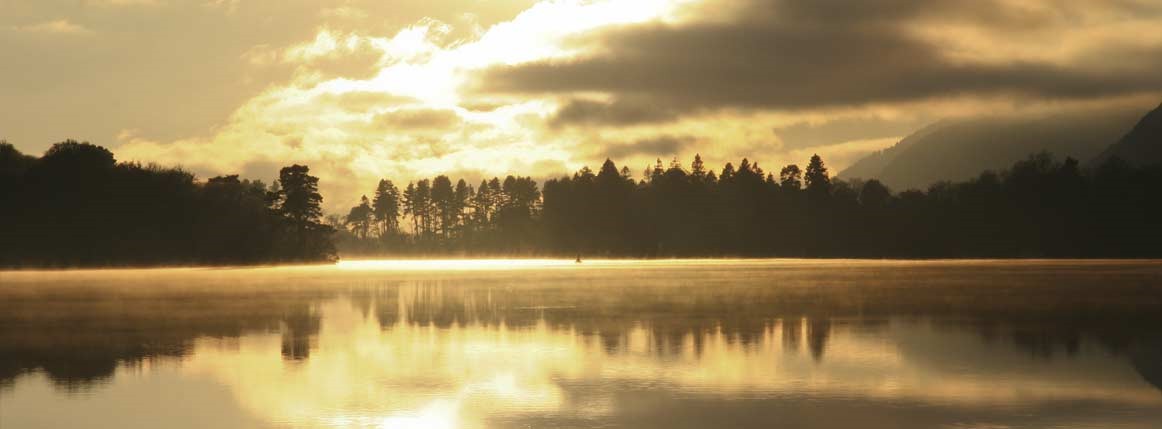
[[656, 345]]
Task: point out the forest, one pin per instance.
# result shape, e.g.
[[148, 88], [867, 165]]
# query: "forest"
[[1039, 207], [76, 206]]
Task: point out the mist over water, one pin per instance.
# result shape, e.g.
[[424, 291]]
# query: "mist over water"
[[547, 343]]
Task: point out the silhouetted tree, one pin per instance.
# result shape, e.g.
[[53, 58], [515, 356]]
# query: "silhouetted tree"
[[816, 178], [698, 168], [462, 201], [874, 194], [727, 173], [298, 199], [79, 207], [790, 178], [421, 208], [657, 170], [386, 207], [482, 207], [76, 156], [444, 203], [360, 217], [1040, 207]]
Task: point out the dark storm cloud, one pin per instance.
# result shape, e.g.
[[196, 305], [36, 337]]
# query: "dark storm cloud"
[[862, 13], [804, 54], [621, 111]]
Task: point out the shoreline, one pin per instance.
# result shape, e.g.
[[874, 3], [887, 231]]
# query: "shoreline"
[[493, 262]]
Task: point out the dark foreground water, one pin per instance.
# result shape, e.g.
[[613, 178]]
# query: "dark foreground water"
[[549, 344]]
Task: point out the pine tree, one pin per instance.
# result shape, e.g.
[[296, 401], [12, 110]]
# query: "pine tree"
[[443, 200], [498, 197], [410, 206], [423, 207], [727, 173], [816, 178], [482, 207], [461, 200], [385, 207], [298, 198], [626, 175], [698, 168]]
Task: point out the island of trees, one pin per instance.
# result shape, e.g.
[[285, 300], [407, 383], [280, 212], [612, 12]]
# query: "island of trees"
[[1040, 207], [77, 206]]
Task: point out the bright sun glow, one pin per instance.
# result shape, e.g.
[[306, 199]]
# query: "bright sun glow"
[[438, 415]]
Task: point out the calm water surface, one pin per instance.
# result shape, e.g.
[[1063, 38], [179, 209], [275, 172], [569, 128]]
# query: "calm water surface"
[[552, 344]]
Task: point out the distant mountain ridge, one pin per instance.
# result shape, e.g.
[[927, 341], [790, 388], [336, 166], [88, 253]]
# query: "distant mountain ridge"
[[960, 149], [873, 165], [1142, 145]]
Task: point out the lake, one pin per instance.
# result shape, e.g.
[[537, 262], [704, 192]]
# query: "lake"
[[554, 344]]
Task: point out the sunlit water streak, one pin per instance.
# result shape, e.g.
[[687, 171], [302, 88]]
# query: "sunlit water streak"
[[517, 343], [451, 264]]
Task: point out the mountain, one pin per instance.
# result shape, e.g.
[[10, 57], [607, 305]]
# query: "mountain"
[[1142, 145], [874, 165], [961, 149]]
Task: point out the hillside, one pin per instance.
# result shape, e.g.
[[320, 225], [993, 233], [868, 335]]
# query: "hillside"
[[961, 149], [1142, 145]]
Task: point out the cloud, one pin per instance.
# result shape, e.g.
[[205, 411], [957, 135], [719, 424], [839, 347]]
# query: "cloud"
[[56, 26], [366, 89], [618, 112], [404, 120], [808, 54], [327, 44], [344, 12], [362, 100], [123, 3], [418, 119], [807, 134], [177, 69], [659, 147], [227, 6], [841, 155]]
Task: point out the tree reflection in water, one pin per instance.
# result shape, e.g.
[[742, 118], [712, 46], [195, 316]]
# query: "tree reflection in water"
[[617, 339]]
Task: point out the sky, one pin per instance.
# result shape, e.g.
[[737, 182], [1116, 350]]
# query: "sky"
[[366, 89]]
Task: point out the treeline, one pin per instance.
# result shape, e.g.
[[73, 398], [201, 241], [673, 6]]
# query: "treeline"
[[1040, 207], [496, 217], [77, 206]]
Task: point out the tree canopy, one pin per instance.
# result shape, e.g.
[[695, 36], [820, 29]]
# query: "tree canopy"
[[1038, 207], [77, 206]]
